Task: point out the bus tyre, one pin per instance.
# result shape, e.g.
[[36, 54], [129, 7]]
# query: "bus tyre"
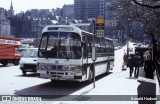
[[55, 82], [24, 72], [52, 81], [108, 68], [5, 63], [90, 77]]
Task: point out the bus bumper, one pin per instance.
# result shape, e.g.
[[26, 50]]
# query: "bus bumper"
[[60, 76]]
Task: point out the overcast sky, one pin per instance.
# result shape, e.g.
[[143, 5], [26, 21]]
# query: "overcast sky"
[[23, 5]]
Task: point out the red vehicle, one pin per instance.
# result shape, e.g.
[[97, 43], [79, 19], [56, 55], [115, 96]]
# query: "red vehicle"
[[8, 50]]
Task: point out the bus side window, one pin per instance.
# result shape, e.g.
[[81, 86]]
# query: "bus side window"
[[89, 41], [83, 38], [84, 49]]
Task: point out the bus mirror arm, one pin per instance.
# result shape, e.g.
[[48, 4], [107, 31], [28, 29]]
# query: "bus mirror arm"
[[83, 44], [66, 56]]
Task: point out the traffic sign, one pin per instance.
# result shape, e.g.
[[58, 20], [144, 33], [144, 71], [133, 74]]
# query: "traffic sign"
[[100, 23], [100, 33], [99, 27], [100, 20]]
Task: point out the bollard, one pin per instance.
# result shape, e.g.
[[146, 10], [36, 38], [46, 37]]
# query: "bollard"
[[146, 91]]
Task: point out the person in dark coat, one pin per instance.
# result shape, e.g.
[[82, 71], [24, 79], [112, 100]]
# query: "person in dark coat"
[[137, 61], [125, 57], [130, 64], [149, 68], [124, 60]]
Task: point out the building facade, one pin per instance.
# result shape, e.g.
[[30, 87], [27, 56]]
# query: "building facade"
[[85, 9], [68, 11], [11, 11], [4, 24]]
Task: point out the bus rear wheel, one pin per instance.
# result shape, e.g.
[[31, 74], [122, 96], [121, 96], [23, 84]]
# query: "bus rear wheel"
[[108, 67], [90, 77]]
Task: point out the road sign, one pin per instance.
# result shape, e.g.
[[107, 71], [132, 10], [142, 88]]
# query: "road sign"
[[100, 33], [99, 27], [100, 21]]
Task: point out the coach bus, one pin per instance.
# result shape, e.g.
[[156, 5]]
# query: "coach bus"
[[65, 53]]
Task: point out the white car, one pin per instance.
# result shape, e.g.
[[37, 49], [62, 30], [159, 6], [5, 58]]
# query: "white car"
[[115, 48], [28, 62]]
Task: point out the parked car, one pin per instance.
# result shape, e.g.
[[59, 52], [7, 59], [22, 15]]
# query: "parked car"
[[115, 48], [28, 61], [119, 47], [135, 44], [131, 49]]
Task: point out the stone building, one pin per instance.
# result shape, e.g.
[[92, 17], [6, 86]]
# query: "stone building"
[[68, 11], [4, 24]]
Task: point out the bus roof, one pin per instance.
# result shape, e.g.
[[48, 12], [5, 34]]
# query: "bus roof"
[[65, 28]]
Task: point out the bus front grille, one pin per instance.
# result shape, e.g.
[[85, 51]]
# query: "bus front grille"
[[56, 67]]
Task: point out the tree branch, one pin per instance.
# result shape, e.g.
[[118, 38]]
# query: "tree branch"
[[145, 5]]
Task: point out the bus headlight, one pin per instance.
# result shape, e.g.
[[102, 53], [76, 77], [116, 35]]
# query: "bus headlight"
[[72, 68], [65, 68], [76, 68], [41, 66], [48, 67]]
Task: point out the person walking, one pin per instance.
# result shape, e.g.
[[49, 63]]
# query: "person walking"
[[125, 57], [149, 67], [137, 62], [130, 64], [124, 61]]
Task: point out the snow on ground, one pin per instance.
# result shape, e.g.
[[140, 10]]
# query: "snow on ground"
[[117, 83]]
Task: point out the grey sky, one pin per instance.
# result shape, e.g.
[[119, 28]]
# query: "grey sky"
[[23, 5]]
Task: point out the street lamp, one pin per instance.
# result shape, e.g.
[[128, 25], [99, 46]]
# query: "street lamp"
[[128, 37], [127, 47], [144, 39]]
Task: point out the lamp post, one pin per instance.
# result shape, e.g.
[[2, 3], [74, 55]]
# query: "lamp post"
[[127, 47], [144, 39], [128, 37]]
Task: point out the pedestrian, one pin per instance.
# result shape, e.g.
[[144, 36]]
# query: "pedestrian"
[[149, 67], [125, 57], [124, 60], [146, 53], [130, 64], [137, 62]]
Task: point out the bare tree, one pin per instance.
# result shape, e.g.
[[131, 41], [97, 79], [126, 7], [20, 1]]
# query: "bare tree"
[[153, 26], [147, 15], [153, 4]]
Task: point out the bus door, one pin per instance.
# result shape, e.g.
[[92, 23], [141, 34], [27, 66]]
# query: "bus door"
[[84, 56]]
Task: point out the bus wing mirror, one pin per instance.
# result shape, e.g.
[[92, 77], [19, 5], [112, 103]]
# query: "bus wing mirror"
[[94, 51]]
